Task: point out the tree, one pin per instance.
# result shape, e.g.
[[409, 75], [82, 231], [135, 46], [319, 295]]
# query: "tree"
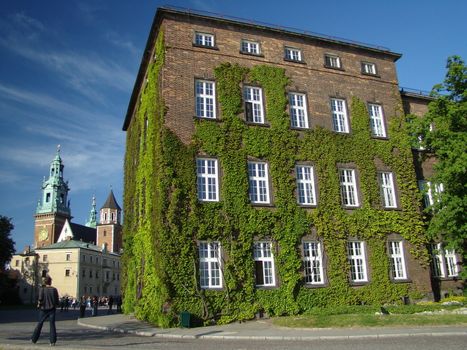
[[7, 245], [443, 132]]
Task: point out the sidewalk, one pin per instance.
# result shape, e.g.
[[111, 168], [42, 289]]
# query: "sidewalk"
[[261, 330]]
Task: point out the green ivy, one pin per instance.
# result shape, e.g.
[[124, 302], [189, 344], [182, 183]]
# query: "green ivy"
[[164, 220]]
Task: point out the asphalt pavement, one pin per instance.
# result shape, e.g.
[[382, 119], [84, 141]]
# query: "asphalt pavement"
[[261, 330]]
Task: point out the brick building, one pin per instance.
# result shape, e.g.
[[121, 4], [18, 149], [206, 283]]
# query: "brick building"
[[276, 170]]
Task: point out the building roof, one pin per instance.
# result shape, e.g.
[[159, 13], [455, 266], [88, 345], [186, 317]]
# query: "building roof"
[[417, 94], [207, 16], [84, 233], [111, 202], [72, 243]]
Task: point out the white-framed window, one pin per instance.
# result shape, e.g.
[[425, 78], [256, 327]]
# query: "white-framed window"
[[368, 68], [396, 256], [376, 120], [293, 54], [340, 121], [258, 180], [204, 39], [264, 264], [332, 61], [388, 191], [298, 110], [248, 46], [431, 192], [348, 181], [313, 262], [207, 179], [205, 99], [305, 185], [210, 273], [357, 261], [444, 262], [253, 97]]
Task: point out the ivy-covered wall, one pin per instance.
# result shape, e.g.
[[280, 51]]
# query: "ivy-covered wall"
[[164, 220]]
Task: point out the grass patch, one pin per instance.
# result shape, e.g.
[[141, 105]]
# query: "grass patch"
[[367, 320]]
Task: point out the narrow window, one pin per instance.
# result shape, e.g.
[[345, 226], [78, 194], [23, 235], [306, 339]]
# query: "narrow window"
[[253, 97], [348, 188], [332, 61], [111, 216], [67, 272], [451, 263], [313, 262], [298, 110], [83, 274], [210, 274], [340, 121], [305, 185], [293, 54], [264, 264], [68, 257], [207, 179], [251, 47], [377, 120], [90, 273], [16, 262], [356, 256], [44, 273], [205, 99], [396, 255], [44, 258], [388, 191], [203, 39], [47, 197], [368, 68], [258, 182]]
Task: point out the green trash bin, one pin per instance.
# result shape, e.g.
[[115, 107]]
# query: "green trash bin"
[[185, 319]]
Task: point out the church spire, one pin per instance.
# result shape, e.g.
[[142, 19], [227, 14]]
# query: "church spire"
[[92, 221], [54, 189]]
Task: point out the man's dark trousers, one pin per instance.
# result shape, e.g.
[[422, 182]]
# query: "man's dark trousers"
[[43, 315]]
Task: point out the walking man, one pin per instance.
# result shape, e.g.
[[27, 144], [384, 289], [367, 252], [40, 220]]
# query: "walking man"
[[47, 302]]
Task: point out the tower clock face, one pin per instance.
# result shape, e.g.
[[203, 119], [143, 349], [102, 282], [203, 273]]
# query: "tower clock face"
[[43, 234]]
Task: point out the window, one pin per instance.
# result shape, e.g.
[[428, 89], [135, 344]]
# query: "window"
[[67, 272], [207, 182], [258, 182], [251, 47], [444, 262], [293, 54], [396, 255], [348, 188], [356, 256], [16, 262], [253, 104], [83, 274], [68, 257], [205, 99], [90, 273], [44, 258], [388, 191], [339, 116], [376, 120], [47, 197], [210, 274], [431, 192], [203, 39], [305, 185], [44, 273], [105, 233], [368, 68], [332, 61], [298, 110], [313, 262], [264, 264], [26, 261]]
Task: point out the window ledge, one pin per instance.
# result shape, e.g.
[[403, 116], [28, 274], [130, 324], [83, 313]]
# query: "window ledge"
[[264, 125], [297, 128], [308, 206], [371, 75], [251, 54], [294, 61], [334, 68], [206, 47], [384, 138], [265, 205], [405, 280], [261, 287], [208, 119], [315, 286], [359, 284]]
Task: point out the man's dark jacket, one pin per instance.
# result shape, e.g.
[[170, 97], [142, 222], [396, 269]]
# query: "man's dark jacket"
[[48, 298]]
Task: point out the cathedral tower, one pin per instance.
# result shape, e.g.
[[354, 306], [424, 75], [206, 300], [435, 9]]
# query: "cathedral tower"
[[53, 208], [109, 229]]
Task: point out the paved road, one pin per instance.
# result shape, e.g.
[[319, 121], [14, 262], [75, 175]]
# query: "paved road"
[[16, 328]]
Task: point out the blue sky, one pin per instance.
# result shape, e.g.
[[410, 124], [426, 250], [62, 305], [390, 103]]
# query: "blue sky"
[[67, 70]]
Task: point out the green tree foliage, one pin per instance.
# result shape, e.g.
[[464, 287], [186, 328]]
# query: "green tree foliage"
[[444, 135], [7, 245]]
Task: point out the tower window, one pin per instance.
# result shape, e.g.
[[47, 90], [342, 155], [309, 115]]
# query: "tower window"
[[112, 216], [105, 233], [47, 197], [62, 198]]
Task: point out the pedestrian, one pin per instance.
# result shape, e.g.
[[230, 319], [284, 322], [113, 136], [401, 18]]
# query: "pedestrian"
[[94, 304], [110, 303], [47, 303], [119, 303], [82, 306]]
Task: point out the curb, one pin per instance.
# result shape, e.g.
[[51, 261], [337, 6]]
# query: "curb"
[[277, 338]]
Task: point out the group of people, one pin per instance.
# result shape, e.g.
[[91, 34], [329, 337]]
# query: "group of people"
[[48, 301]]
